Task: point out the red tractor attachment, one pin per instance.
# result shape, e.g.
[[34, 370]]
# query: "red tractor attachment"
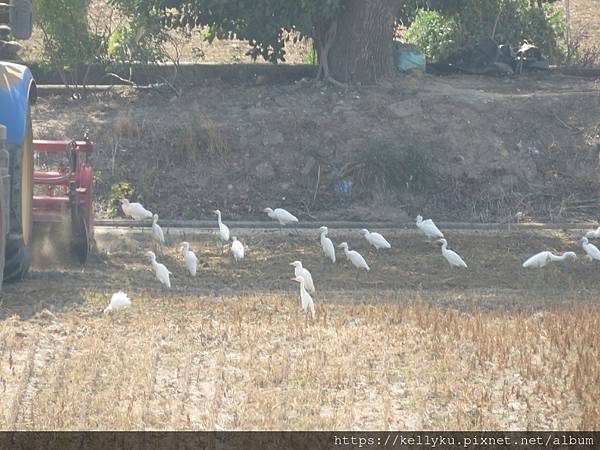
[[63, 191]]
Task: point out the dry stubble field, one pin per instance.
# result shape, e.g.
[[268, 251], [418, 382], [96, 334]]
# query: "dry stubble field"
[[412, 345]]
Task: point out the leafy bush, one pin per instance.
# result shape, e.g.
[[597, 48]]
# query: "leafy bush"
[[433, 33], [457, 24], [139, 41], [117, 192], [67, 40]]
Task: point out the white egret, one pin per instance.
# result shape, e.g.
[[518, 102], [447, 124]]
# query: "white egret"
[[190, 258], [429, 228], [281, 215], [157, 233], [543, 258], [375, 239], [223, 229], [591, 250], [135, 210], [354, 257], [160, 270], [565, 255], [593, 234], [237, 249], [300, 271], [452, 257], [305, 298], [327, 245], [118, 300]]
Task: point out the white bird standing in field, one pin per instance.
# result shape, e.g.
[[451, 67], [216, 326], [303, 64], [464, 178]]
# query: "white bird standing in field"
[[300, 271], [541, 259], [190, 258], [429, 228], [160, 270], [284, 217], [223, 229], [135, 210], [327, 245], [591, 250], [305, 299], [593, 234], [237, 249], [452, 257], [375, 239], [354, 257], [157, 233], [118, 300]]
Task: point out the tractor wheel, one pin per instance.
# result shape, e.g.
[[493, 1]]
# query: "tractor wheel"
[[18, 242], [2, 233]]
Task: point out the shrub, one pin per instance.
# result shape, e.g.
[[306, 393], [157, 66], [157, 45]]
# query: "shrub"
[[67, 40], [139, 41], [117, 192], [458, 24], [433, 33]]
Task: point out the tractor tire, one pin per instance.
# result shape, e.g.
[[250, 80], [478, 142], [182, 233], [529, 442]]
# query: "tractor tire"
[[2, 233], [18, 241]]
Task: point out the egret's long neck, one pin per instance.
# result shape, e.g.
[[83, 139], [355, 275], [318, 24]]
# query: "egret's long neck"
[[444, 246], [155, 220], [302, 288]]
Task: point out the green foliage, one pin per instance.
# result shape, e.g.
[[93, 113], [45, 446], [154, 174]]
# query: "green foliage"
[[67, 40], [433, 33], [464, 23], [117, 192], [265, 24], [311, 57], [139, 41]]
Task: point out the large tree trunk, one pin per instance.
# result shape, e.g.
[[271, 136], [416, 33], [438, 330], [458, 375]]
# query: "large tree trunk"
[[358, 45]]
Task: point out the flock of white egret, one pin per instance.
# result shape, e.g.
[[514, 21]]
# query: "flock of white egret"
[[301, 275]]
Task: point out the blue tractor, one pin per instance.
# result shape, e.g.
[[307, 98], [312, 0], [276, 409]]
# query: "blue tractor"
[[17, 93]]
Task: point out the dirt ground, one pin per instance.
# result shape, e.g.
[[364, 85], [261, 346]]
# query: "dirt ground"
[[413, 344], [464, 148]]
